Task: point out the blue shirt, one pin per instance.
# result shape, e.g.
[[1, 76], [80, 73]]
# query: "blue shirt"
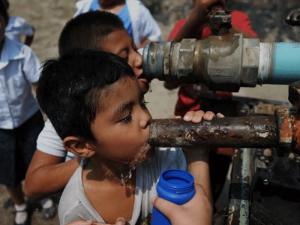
[[123, 14], [19, 68], [17, 26]]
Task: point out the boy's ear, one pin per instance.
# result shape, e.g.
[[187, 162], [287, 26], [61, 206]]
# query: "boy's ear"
[[79, 146]]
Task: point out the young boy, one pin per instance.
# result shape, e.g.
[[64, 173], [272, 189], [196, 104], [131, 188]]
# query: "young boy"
[[107, 123], [136, 18], [20, 118], [48, 172]]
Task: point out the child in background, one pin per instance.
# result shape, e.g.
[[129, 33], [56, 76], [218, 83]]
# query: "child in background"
[[20, 118], [107, 123], [18, 26], [136, 18]]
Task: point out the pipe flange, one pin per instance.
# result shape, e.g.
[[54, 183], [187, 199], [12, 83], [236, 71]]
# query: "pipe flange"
[[285, 130]]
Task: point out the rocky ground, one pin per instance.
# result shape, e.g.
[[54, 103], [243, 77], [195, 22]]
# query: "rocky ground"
[[48, 18]]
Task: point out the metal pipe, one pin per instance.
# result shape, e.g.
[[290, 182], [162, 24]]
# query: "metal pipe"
[[279, 63], [220, 132], [279, 131], [239, 191], [223, 62]]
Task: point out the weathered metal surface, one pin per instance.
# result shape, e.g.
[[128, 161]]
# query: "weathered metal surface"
[[279, 131], [288, 122], [284, 122], [220, 132], [239, 194], [296, 132], [222, 62]]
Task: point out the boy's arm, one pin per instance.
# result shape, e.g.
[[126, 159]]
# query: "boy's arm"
[[198, 166], [29, 38], [197, 158], [34, 87], [197, 18], [48, 175]]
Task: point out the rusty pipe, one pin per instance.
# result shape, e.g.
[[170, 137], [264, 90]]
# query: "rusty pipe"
[[279, 130], [220, 132]]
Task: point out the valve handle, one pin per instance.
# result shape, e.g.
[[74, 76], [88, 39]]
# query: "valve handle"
[[293, 18], [219, 21]]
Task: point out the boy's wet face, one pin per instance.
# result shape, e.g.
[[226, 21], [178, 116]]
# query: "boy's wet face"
[[121, 129], [120, 43]]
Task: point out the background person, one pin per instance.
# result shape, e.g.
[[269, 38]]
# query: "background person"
[[136, 18], [18, 26]]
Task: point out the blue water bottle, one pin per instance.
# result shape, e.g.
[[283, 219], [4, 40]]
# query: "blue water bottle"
[[176, 186]]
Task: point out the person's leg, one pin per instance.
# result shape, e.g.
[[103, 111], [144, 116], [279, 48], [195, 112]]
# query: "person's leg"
[[16, 194]]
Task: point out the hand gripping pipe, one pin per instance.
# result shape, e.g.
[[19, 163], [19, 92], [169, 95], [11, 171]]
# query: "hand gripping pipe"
[[280, 131], [223, 62]]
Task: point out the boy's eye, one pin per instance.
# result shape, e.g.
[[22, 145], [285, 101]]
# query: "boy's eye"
[[144, 105], [124, 54], [126, 119]]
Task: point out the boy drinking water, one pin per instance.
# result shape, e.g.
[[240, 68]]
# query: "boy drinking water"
[[95, 104], [48, 172]]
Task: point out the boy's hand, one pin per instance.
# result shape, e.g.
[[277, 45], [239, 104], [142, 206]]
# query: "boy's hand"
[[197, 211], [197, 117], [202, 8]]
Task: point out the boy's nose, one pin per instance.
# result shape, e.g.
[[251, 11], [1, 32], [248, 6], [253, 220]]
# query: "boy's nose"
[[145, 120], [138, 61]]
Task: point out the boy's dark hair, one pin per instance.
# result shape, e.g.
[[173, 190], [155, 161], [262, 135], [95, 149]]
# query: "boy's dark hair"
[[87, 30], [3, 12], [69, 89]]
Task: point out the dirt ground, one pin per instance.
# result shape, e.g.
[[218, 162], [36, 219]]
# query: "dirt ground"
[[49, 16]]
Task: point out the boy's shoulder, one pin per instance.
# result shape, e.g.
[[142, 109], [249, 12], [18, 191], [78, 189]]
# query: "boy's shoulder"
[[74, 204]]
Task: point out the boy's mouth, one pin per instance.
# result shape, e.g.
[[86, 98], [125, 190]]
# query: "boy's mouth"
[[144, 84], [143, 156], [144, 80]]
